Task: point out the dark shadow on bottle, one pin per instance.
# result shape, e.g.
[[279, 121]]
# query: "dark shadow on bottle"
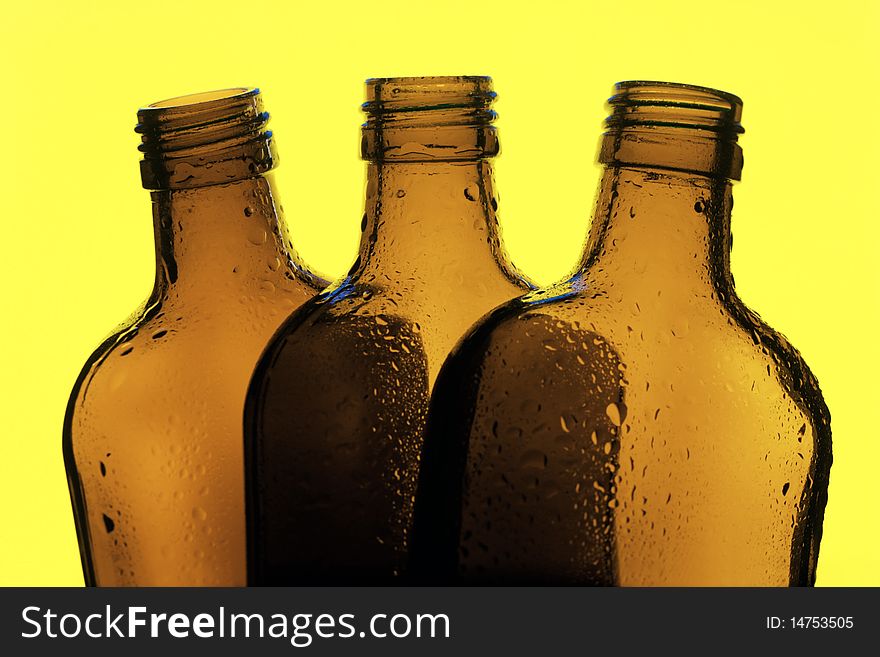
[[519, 488], [333, 459]]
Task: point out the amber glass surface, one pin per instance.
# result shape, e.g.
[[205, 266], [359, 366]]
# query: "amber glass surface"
[[336, 409], [152, 436], [636, 424]]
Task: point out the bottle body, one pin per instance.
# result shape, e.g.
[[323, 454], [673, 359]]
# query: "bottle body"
[[152, 440], [635, 425], [337, 404]]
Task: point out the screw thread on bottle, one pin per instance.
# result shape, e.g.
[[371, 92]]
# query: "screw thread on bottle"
[[429, 119], [205, 139], [674, 126]]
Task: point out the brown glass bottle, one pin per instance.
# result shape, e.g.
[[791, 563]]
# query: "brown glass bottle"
[[636, 424], [152, 435], [337, 405]]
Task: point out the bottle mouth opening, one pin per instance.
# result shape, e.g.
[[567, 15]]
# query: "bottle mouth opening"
[[204, 138], [202, 99], [676, 126]]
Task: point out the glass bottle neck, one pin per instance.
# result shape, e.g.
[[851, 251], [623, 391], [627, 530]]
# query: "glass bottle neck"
[[219, 238], [660, 231], [429, 223]]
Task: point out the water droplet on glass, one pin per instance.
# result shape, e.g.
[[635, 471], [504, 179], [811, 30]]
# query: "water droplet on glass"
[[257, 236], [616, 413], [533, 458]]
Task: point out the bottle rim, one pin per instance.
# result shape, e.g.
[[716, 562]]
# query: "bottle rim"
[[199, 100], [698, 91], [427, 92]]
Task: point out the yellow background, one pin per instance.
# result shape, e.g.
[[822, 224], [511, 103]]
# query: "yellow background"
[[76, 236]]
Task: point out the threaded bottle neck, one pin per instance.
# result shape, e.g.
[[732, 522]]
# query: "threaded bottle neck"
[[429, 119], [674, 126], [205, 139]]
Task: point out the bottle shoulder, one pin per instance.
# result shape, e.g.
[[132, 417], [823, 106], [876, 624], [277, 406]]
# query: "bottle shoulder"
[[347, 359], [717, 343], [343, 323], [303, 277], [794, 373], [174, 346], [117, 344], [354, 312]]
